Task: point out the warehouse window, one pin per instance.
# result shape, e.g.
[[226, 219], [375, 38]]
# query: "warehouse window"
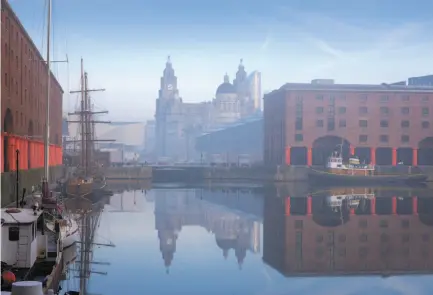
[[425, 124], [342, 110], [405, 97], [405, 138], [405, 124], [384, 110], [342, 123], [384, 138], [384, 123], [425, 99], [384, 98], [331, 124], [319, 97], [298, 124], [299, 137], [363, 138], [319, 123], [319, 110], [405, 110], [363, 123], [425, 111]]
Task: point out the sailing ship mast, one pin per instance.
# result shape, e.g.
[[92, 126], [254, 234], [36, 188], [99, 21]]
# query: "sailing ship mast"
[[87, 122], [47, 110], [89, 223]]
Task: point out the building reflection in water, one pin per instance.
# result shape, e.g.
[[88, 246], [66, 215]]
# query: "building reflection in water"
[[234, 216], [349, 232]]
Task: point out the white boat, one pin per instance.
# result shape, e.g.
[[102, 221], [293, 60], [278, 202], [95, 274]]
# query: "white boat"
[[69, 231], [22, 238], [28, 248], [68, 226]]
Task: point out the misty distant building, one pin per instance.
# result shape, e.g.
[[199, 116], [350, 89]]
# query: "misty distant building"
[[255, 89], [149, 138], [178, 124], [421, 81]]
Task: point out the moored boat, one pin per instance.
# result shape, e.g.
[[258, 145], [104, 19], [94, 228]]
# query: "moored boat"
[[67, 227], [28, 251], [79, 187], [355, 172]]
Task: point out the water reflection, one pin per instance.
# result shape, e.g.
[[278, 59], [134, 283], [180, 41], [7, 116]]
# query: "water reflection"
[[232, 216], [349, 231], [250, 240]]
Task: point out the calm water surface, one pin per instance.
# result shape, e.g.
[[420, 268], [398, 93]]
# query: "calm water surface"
[[340, 241]]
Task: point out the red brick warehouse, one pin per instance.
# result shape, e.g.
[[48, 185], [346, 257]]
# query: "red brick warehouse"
[[23, 99], [382, 124]]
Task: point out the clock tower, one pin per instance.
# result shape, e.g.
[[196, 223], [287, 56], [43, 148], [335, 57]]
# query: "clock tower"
[[168, 115], [168, 88]]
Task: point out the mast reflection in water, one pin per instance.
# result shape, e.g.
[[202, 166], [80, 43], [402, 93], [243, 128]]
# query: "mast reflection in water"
[[231, 240], [349, 232]]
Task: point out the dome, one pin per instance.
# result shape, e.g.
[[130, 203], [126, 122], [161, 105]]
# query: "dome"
[[226, 244], [226, 88]]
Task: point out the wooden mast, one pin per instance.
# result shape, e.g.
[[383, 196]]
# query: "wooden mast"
[[82, 117], [47, 110], [87, 122]]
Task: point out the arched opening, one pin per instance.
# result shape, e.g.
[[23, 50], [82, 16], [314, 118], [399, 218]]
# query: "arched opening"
[[425, 152], [8, 127], [384, 156], [327, 215], [425, 210], [298, 156], [29, 148], [323, 147]]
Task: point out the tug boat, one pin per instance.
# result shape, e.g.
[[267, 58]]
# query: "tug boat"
[[356, 172]]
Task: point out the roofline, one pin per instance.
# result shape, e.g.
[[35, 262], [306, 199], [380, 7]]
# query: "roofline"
[[383, 88], [6, 5]]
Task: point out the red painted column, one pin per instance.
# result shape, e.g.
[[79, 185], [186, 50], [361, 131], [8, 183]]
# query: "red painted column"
[[352, 150], [352, 211], [373, 206], [415, 157], [288, 206], [309, 156], [309, 205], [415, 205], [394, 205], [288, 156], [373, 156], [394, 156]]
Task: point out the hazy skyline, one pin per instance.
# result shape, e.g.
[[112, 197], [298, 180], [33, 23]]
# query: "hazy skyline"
[[125, 47]]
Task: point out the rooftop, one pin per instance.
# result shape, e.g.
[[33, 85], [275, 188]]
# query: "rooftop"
[[355, 87], [23, 215]]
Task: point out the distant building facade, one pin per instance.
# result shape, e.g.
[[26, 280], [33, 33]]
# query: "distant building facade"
[[178, 124], [421, 81], [255, 88], [381, 124], [149, 141]]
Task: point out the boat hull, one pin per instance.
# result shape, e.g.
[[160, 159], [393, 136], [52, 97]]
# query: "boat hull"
[[69, 232], [327, 177], [82, 190]]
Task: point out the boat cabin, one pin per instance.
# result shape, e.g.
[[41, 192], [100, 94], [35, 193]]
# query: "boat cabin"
[[22, 239], [335, 162], [353, 200]]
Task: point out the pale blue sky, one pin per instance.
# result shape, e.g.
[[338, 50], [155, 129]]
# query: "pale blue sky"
[[125, 45]]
